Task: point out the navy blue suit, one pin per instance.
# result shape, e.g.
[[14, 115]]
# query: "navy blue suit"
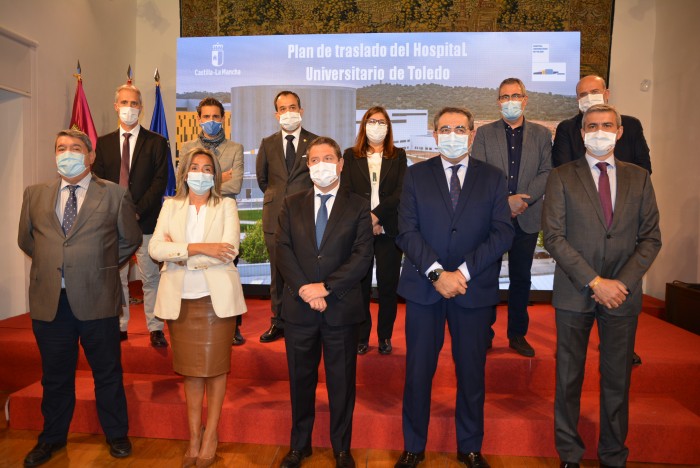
[[479, 231]]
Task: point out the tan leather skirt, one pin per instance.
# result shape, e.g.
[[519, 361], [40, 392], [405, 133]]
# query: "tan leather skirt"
[[201, 341]]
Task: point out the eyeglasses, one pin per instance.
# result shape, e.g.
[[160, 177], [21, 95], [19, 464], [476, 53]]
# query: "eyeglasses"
[[511, 97], [459, 130], [381, 123]]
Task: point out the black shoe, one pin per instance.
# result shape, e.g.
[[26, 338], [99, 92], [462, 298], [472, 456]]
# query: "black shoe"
[[409, 459], [294, 457], [344, 460], [568, 465], [123, 336], [120, 447], [636, 360], [158, 339], [385, 346], [362, 348], [272, 334], [41, 453], [237, 338], [521, 346], [473, 460]]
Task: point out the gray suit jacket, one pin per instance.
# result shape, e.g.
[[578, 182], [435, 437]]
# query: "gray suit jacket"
[[275, 180], [576, 235], [230, 156], [105, 234], [491, 146]]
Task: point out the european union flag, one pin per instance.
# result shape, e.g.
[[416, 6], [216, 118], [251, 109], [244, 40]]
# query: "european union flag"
[[159, 125]]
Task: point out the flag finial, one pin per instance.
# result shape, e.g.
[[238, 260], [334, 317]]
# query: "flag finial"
[[129, 76], [77, 73], [156, 76]]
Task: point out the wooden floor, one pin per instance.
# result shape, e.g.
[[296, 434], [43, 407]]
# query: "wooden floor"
[[87, 450]]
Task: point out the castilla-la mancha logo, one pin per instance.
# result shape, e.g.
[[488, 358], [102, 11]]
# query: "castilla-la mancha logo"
[[217, 54]]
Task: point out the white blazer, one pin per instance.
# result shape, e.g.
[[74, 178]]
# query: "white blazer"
[[221, 225]]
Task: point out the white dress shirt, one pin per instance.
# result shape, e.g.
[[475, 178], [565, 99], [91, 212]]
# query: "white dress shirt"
[[612, 174], [329, 202], [132, 141], [64, 192], [295, 141], [195, 284]]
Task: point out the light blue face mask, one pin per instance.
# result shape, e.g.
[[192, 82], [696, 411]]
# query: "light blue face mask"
[[512, 110], [453, 146], [211, 127], [70, 164], [200, 182]]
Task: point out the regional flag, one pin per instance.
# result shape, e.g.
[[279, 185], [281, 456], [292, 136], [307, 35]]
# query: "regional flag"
[[159, 125], [81, 119]]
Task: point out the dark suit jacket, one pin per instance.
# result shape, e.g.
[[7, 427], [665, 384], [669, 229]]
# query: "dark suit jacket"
[[478, 232], [631, 147], [275, 180], [148, 173], [356, 179], [576, 235], [104, 235], [342, 260], [491, 146]]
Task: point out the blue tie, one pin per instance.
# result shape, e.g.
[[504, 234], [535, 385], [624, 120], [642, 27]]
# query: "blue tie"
[[455, 188], [71, 210], [321, 219]]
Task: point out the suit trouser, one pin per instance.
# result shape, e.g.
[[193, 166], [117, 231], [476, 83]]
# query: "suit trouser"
[[520, 258], [425, 334], [616, 347], [304, 345], [149, 274], [58, 345], [276, 282], [388, 257]]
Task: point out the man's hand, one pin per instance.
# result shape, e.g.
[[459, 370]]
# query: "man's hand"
[[377, 229], [226, 175], [450, 284], [375, 220], [318, 304], [609, 292], [312, 291], [517, 204]]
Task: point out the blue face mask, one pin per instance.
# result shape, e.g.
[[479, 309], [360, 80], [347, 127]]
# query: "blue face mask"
[[453, 146], [200, 182], [70, 164], [212, 127], [512, 110]]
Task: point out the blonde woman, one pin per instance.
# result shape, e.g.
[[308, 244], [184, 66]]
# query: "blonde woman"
[[200, 291]]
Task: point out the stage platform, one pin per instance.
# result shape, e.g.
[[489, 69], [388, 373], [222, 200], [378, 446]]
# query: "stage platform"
[[664, 414]]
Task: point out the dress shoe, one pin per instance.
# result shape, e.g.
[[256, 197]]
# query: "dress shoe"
[[521, 346], [473, 460], [344, 460], [568, 465], [409, 459], [272, 334], [636, 360], [294, 457], [158, 339], [119, 447], [385, 346], [206, 462], [123, 336], [41, 453], [362, 348], [237, 338]]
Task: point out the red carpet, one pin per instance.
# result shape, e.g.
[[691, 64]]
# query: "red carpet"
[[665, 401]]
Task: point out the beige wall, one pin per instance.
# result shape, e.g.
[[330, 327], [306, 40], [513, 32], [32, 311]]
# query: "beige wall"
[[655, 39]]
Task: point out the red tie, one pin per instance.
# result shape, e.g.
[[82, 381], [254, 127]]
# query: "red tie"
[[126, 155], [604, 193]]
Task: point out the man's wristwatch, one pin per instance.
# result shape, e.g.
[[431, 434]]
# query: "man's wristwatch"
[[434, 275]]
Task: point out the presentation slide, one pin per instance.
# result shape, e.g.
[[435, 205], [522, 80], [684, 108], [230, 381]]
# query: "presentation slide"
[[339, 76]]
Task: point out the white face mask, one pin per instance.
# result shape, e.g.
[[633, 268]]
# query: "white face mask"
[[129, 115], [290, 121], [599, 143], [376, 133], [452, 146], [200, 182], [70, 164], [323, 173], [589, 100]]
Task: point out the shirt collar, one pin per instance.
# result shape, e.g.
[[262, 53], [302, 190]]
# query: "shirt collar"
[[446, 164], [507, 126], [134, 132], [84, 182], [593, 161], [296, 134], [333, 192]]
